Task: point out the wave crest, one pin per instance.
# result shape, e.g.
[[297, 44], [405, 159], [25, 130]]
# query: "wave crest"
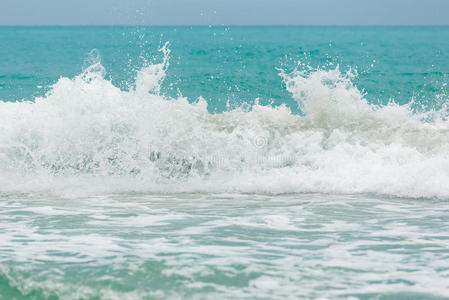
[[87, 132]]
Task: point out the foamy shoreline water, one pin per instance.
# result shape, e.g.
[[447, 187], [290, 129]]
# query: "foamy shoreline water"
[[133, 246]]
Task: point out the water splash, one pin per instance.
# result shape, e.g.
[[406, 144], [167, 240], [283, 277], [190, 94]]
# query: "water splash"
[[88, 134]]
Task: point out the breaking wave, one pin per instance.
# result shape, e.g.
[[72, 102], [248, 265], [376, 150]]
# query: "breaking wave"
[[86, 134]]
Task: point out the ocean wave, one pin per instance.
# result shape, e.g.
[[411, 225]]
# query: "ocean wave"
[[87, 134]]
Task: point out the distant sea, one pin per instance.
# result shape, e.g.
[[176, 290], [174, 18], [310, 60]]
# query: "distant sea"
[[224, 162]]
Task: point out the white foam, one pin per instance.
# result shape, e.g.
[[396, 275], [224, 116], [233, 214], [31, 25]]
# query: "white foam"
[[86, 135]]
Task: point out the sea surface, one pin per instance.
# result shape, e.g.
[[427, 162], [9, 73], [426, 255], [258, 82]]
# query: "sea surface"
[[224, 162]]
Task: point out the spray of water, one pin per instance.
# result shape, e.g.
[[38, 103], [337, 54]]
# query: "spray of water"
[[89, 135]]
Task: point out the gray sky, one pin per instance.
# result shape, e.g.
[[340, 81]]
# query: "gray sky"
[[224, 12]]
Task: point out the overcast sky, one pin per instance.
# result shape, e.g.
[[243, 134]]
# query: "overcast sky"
[[224, 12]]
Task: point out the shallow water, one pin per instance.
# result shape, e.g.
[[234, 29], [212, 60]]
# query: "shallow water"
[[223, 245]]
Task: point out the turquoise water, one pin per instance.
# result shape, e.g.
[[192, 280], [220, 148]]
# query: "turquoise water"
[[236, 64], [224, 162]]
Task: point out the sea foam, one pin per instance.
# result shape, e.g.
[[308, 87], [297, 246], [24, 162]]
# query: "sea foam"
[[86, 134]]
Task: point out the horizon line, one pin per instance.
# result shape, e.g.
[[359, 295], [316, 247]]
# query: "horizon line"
[[224, 25]]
